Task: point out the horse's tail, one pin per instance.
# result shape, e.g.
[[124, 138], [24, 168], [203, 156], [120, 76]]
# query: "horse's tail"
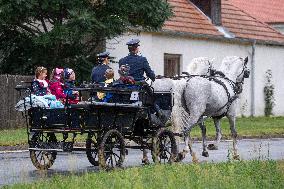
[[180, 115]]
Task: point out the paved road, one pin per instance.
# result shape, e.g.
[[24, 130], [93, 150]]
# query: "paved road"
[[16, 167]]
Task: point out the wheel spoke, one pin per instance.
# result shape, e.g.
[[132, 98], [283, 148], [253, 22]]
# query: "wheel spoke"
[[108, 161], [111, 160], [39, 152], [46, 158], [164, 140], [94, 154], [112, 145], [42, 159], [164, 147], [115, 159], [168, 152], [116, 155], [168, 143]]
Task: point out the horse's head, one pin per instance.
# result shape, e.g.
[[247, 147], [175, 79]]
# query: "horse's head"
[[245, 72], [235, 68], [199, 66]]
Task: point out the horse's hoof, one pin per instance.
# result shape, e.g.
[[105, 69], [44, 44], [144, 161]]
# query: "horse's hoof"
[[194, 158], [236, 157], [180, 157], [205, 154], [175, 159], [212, 147], [145, 161]]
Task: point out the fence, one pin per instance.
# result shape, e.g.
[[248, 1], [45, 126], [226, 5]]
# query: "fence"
[[9, 117]]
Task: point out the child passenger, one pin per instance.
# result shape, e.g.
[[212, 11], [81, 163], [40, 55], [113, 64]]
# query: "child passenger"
[[40, 84], [69, 83], [109, 74], [56, 85], [124, 77]]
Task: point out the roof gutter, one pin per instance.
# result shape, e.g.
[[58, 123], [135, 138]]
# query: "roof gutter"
[[219, 38], [252, 104]]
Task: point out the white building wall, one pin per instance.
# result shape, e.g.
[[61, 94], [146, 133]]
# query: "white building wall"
[[153, 46], [269, 57], [118, 48]]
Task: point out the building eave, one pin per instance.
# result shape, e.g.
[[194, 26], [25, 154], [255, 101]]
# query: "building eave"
[[218, 38]]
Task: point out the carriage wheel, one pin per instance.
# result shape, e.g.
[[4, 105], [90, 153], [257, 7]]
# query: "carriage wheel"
[[92, 151], [41, 159], [111, 150], [164, 147]]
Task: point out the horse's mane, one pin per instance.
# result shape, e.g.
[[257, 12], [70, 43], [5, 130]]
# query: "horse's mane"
[[199, 66], [229, 65]]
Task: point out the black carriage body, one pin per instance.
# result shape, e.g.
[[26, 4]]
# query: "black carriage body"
[[131, 116]]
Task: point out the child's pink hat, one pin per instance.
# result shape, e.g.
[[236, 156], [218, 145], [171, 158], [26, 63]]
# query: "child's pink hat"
[[57, 73]]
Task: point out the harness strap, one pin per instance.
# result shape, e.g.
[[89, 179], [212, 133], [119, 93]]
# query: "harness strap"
[[230, 99], [218, 81]]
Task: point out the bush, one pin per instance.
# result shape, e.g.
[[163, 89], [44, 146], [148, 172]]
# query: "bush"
[[268, 94]]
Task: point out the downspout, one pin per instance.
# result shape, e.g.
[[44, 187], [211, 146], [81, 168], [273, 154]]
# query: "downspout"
[[252, 107]]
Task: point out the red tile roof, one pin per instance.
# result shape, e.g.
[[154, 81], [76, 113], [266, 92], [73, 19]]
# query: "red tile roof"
[[189, 19], [268, 11], [243, 25]]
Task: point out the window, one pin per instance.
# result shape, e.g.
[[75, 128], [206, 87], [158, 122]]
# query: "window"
[[171, 65]]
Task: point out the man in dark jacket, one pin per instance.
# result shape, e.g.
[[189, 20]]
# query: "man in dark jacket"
[[98, 72], [138, 64]]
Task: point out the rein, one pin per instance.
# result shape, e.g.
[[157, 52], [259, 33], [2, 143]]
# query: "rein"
[[237, 88], [231, 99]]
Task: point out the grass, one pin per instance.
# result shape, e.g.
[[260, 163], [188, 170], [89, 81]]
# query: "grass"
[[13, 137], [250, 174], [254, 127], [246, 127]]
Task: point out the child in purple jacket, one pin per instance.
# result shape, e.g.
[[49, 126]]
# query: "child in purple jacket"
[[69, 84]]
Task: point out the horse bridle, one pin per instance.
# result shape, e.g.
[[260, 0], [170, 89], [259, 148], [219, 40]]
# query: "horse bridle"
[[246, 72]]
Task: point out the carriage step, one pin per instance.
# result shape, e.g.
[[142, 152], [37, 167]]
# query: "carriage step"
[[42, 149], [52, 146]]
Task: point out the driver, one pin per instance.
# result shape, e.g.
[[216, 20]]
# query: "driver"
[[138, 64]]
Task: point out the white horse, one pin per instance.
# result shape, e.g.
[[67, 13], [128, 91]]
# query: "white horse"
[[213, 97], [198, 66], [201, 66]]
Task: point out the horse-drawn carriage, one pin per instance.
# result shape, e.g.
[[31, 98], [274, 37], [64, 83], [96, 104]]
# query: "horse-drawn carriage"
[[130, 116], [127, 121]]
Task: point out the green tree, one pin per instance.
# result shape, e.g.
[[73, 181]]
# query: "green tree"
[[69, 32]]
